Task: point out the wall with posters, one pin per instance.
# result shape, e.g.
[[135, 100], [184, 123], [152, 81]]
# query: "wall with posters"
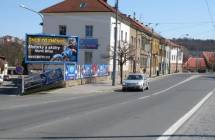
[[74, 72]]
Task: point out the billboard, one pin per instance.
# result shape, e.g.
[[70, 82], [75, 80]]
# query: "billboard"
[[51, 49]]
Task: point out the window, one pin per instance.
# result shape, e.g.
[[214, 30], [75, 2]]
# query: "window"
[[83, 5], [132, 40], [89, 31], [139, 42], [62, 29], [88, 57], [126, 35], [121, 35]]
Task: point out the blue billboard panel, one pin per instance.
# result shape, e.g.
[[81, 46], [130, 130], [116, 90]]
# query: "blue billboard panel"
[[51, 49], [71, 72], [52, 76], [89, 43]]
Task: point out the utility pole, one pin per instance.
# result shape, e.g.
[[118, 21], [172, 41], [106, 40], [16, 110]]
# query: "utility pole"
[[150, 74], [177, 60], [115, 46]]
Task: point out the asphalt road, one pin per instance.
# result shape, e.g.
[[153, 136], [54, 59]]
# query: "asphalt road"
[[116, 115]]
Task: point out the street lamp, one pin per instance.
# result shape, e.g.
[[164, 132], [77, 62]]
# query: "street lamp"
[[24, 7], [115, 46]]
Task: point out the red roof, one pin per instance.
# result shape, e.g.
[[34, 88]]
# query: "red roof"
[[193, 63], [209, 56], [68, 6]]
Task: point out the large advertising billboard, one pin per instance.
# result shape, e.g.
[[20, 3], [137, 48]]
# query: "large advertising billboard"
[[51, 49]]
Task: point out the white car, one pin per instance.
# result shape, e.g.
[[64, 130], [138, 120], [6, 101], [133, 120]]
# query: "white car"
[[1, 79], [136, 81]]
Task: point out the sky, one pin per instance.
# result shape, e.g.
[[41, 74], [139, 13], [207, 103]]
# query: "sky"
[[170, 18]]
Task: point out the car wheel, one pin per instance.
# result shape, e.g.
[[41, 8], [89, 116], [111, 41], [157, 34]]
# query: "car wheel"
[[142, 89], [147, 88], [123, 89]]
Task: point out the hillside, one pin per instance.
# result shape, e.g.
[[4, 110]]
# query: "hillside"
[[196, 46]]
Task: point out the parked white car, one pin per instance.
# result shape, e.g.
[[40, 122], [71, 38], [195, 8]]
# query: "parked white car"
[[136, 81], [1, 79]]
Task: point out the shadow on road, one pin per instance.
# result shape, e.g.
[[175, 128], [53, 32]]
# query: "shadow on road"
[[8, 90], [122, 137]]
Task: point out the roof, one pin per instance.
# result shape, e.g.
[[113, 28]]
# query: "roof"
[[209, 56], [193, 62], [68, 6]]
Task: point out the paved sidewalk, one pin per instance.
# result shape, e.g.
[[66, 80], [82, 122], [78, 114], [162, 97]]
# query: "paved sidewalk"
[[201, 126], [105, 86]]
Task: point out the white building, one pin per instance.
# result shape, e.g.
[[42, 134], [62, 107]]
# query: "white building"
[[176, 59], [88, 19]]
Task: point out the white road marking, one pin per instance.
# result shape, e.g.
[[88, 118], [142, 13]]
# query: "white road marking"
[[162, 91], [144, 97], [166, 135]]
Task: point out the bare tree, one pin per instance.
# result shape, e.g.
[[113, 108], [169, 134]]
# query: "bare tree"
[[124, 53], [212, 61]]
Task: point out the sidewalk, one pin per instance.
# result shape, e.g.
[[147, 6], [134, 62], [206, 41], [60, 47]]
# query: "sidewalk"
[[105, 86]]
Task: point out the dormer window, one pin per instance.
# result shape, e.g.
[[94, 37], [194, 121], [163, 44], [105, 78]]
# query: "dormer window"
[[83, 5]]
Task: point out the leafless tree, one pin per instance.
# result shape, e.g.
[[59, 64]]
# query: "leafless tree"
[[212, 61], [124, 53]]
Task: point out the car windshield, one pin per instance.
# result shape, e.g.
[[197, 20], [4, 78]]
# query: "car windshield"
[[135, 77]]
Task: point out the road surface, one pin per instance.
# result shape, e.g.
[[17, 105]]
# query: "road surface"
[[114, 115]]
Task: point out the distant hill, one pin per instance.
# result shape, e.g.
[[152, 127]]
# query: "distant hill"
[[196, 46]]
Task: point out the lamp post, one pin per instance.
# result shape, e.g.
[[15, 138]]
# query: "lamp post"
[[24, 7], [115, 45], [177, 53], [31, 10], [151, 51]]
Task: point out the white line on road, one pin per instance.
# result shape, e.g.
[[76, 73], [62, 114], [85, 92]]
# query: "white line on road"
[[166, 135], [144, 97], [162, 91]]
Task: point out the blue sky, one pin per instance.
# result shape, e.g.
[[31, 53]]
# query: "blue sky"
[[170, 18]]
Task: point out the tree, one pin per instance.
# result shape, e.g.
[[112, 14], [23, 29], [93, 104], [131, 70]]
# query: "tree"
[[124, 53], [1, 65], [13, 52], [212, 61]]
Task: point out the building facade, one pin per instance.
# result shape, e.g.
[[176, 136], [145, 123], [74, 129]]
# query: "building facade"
[[96, 19]]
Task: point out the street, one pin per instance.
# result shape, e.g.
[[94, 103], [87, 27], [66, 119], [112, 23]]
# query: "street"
[[112, 115]]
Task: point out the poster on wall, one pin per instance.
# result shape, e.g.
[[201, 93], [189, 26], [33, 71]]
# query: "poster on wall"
[[71, 72], [86, 71], [51, 49], [95, 70], [52, 76], [103, 70]]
